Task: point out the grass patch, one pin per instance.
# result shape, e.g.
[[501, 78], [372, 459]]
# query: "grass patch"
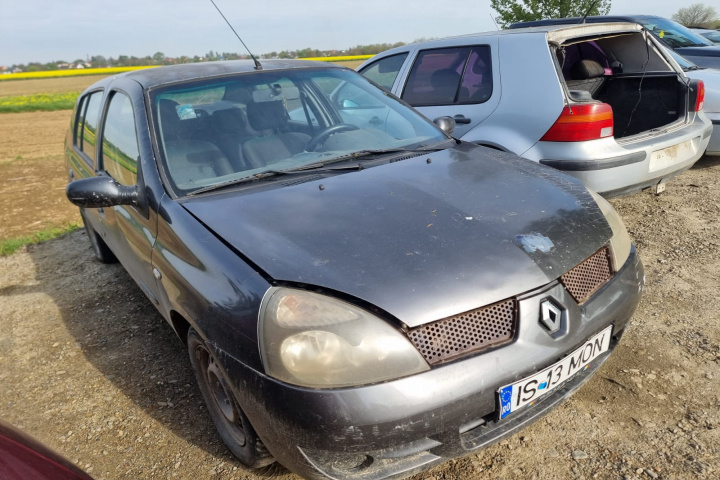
[[39, 102], [12, 245]]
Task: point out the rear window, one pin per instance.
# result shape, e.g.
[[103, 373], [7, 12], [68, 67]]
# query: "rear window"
[[447, 76]]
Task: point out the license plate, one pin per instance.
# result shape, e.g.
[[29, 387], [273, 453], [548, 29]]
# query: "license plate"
[[529, 389], [670, 156]]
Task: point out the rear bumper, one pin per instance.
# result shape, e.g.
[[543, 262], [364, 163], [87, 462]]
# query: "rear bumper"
[[400, 427], [613, 168]]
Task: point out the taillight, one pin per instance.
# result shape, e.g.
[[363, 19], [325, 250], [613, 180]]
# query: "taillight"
[[700, 96], [578, 123]]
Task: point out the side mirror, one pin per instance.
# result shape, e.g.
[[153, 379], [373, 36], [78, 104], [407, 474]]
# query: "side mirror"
[[349, 104], [446, 124], [97, 192]]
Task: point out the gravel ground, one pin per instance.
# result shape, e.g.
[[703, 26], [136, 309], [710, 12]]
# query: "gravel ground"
[[89, 367]]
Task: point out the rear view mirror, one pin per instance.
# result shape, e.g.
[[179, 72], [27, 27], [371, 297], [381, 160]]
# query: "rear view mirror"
[[97, 192]]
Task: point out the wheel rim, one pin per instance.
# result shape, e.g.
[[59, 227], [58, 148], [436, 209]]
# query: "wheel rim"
[[221, 397]]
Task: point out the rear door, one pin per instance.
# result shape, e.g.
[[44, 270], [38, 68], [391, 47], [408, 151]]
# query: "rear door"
[[461, 81]]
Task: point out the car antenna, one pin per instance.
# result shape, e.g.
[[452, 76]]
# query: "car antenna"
[[257, 64], [582, 20], [493, 19]]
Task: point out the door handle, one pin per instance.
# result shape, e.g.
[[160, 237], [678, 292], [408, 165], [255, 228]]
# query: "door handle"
[[461, 119]]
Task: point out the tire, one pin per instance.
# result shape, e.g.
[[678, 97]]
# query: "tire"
[[231, 423], [100, 248]]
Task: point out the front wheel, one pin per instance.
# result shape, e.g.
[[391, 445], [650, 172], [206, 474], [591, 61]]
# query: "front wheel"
[[100, 248], [232, 424]]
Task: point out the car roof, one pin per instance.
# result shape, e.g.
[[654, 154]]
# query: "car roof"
[[151, 77]]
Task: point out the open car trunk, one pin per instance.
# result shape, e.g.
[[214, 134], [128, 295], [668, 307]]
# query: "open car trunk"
[[641, 104], [627, 71]]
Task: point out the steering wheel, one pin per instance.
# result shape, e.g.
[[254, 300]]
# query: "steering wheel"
[[323, 134]]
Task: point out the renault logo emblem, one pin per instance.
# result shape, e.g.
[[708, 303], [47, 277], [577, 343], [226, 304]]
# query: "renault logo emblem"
[[550, 316]]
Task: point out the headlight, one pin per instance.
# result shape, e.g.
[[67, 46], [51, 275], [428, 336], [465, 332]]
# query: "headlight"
[[318, 341], [620, 242]]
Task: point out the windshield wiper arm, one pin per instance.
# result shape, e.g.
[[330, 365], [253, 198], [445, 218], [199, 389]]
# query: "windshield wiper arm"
[[383, 151]]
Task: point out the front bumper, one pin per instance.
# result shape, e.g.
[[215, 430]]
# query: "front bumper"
[[613, 168], [397, 428]]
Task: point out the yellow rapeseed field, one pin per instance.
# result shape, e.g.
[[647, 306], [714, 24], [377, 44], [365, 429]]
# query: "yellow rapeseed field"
[[69, 73]]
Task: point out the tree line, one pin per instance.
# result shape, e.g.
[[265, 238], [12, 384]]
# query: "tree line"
[[159, 58]]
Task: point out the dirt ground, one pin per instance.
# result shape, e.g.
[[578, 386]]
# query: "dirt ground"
[[88, 366], [32, 167]]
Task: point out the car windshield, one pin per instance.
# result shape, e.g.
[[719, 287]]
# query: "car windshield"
[[222, 130], [714, 37], [674, 34]]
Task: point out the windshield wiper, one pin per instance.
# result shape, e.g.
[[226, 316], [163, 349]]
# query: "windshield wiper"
[[320, 167], [384, 151], [302, 170]]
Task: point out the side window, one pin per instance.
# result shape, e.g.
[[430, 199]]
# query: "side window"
[[119, 141], [88, 138], [78, 122], [450, 76], [385, 71]]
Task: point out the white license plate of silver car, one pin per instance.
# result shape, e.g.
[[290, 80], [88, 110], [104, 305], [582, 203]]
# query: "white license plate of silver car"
[[528, 390], [668, 157]]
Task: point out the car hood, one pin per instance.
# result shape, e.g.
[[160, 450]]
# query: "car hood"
[[704, 51], [422, 238]]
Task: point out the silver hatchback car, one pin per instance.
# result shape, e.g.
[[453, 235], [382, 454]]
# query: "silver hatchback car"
[[602, 102]]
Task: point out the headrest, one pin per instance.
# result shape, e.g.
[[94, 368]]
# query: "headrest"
[[266, 115], [445, 78], [585, 69], [229, 120]]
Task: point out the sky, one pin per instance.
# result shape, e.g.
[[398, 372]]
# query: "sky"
[[50, 30]]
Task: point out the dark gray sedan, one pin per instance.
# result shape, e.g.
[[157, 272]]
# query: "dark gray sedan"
[[361, 295]]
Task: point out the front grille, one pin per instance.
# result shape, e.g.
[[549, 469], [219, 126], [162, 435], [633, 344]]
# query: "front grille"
[[465, 333], [585, 279]]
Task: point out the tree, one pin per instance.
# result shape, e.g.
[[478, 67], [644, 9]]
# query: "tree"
[[512, 11], [159, 58], [696, 15]]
